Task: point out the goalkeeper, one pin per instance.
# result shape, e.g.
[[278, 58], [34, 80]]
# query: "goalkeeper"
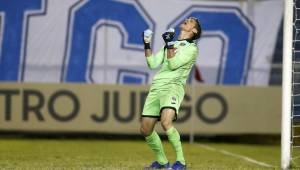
[[176, 59]]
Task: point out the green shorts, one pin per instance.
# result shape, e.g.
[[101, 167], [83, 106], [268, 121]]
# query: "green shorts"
[[160, 99]]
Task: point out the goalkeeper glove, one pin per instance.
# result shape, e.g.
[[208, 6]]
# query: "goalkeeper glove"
[[168, 37], [170, 45], [147, 37]]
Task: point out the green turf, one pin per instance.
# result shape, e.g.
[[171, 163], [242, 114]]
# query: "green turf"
[[109, 154]]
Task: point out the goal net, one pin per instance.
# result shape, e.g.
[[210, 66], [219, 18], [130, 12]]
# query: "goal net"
[[295, 120], [290, 143]]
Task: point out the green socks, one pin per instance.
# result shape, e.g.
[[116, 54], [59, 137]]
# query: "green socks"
[[155, 144], [174, 139]]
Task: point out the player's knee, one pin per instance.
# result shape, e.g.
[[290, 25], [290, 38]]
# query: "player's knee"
[[145, 131], [166, 124]]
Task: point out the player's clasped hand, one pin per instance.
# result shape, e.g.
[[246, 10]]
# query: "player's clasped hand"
[[147, 36], [168, 36]]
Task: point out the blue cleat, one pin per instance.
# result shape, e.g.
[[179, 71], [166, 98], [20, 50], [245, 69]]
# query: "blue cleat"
[[178, 166], [156, 165]]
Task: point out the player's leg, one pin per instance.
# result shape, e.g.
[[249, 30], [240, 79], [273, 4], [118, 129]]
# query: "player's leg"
[[167, 117], [150, 116], [153, 140], [170, 104], [147, 125]]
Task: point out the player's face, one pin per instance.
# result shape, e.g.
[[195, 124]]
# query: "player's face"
[[188, 25]]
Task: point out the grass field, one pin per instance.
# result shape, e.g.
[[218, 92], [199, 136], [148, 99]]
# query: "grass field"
[[130, 155]]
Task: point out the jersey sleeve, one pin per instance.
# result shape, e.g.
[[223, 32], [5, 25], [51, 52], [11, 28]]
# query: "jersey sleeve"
[[154, 61], [183, 56]]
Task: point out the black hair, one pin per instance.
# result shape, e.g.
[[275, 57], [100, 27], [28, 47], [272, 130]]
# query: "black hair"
[[198, 28]]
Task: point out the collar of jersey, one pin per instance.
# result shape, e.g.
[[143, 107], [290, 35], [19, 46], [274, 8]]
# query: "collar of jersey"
[[187, 40], [182, 41]]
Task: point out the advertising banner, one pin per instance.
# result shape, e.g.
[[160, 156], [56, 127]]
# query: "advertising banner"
[[97, 41], [117, 109]]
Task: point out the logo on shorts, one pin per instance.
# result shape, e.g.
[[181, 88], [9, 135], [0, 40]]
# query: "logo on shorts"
[[173, 100]]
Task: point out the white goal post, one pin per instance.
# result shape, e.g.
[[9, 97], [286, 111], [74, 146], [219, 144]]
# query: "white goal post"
[[287, 85]]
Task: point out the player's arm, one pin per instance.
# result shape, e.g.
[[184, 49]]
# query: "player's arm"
[[170, 49], [153, 61], [182, 56]]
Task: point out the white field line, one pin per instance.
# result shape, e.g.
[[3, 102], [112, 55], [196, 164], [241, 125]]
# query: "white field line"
[[237, 156]]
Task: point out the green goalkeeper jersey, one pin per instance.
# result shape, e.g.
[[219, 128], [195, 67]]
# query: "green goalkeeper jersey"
[[173, 71]]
